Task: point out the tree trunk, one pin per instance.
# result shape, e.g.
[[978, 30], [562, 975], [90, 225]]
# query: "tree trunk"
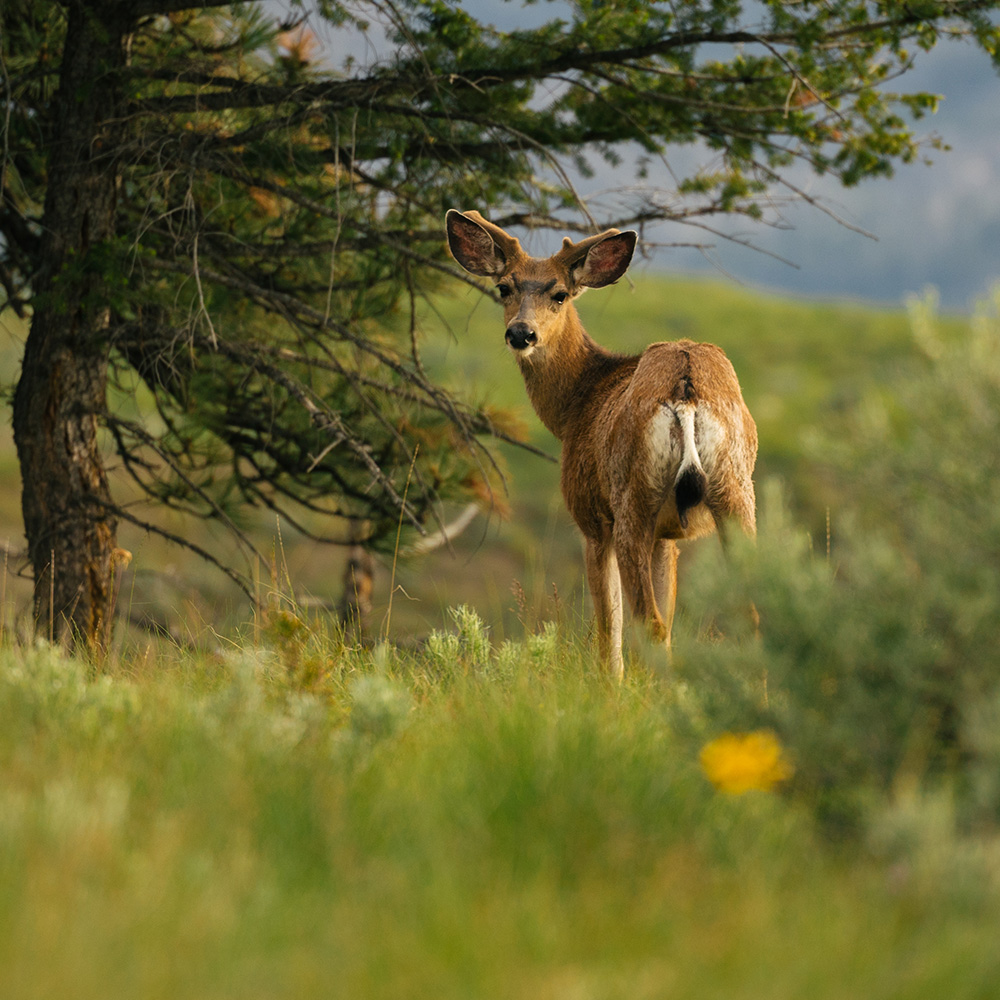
[[359, 585], [61, 394]]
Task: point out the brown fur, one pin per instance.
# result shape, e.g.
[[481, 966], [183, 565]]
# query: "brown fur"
[[630, 478]]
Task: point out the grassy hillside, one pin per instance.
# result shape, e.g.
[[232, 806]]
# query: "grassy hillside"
[[808, 809], [804, 367]]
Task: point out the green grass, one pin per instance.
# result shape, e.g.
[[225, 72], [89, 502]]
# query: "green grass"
[[300, 820]]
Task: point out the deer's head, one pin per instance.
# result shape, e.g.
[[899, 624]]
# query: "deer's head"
[[537, 292]]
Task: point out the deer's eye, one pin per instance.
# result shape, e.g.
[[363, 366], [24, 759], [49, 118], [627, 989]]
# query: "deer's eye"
[[560, 297], [504, 290]]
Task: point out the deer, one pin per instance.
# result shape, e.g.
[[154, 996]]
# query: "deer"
[[657, 448]]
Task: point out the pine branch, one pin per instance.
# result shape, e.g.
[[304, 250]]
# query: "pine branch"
[[416, 80], [239, 579], [117, 424]]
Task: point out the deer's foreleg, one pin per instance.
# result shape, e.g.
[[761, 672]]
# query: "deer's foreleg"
[[606, 591]]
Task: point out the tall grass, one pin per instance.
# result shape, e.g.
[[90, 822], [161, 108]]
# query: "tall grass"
[[474, 822]]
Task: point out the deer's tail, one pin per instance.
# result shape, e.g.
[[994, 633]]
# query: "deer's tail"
[[691, 484]]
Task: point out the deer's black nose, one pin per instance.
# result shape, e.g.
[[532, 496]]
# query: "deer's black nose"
[[520, 336]]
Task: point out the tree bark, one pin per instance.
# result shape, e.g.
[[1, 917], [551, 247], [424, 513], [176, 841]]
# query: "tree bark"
[[61, 394]]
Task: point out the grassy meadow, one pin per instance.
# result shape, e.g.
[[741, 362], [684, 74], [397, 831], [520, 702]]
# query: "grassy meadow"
[[268, 808]]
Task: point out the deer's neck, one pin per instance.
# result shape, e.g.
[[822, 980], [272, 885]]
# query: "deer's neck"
[[560, 374]]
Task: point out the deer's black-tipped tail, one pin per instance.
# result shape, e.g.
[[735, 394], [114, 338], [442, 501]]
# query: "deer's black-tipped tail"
[[689, 491]]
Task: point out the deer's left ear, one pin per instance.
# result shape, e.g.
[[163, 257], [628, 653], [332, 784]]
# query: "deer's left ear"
[[606, 261]]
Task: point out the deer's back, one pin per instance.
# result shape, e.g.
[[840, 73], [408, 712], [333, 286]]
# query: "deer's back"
[[624, 437]]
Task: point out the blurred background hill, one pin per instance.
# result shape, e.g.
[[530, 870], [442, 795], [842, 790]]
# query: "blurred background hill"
[[805, 367]]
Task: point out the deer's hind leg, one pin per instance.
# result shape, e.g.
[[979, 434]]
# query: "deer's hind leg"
[[636, 561], [665, 555], [731, 498], [605, 584], [741, 508]]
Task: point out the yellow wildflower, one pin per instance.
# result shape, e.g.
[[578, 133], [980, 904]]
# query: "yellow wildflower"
[[738, 762]]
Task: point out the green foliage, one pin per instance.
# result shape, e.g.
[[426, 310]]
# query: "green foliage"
[[876, 662], [468, 646], [379, 707]]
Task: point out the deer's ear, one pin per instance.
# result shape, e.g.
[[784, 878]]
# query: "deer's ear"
[[473, 247], [606, 261]]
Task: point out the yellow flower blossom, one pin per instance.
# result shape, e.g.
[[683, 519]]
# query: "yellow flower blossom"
[[738, 762]]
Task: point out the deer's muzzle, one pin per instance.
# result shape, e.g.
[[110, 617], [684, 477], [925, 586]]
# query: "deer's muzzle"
[[520, 336]]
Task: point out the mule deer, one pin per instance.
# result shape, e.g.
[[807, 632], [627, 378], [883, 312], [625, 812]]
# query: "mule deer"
[[656, 448]]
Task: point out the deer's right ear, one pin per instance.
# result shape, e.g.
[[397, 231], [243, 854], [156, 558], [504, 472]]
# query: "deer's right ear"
[[473, 247]]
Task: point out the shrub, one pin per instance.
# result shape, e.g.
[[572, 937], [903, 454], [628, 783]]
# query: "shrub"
[[879, 661]]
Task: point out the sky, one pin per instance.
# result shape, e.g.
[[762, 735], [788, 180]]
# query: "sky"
[[933, 226], [936, 225]]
